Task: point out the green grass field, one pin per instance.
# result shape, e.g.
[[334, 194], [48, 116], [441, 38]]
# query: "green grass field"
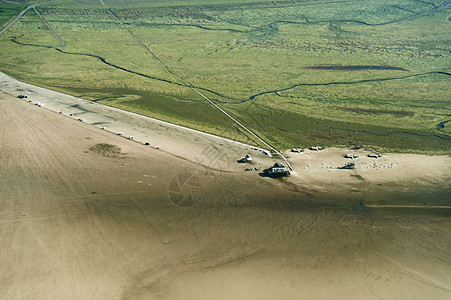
[[298, 73]]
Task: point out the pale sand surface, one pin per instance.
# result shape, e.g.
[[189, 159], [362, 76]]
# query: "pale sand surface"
[[373, 177], [77, 225], [180, 141]]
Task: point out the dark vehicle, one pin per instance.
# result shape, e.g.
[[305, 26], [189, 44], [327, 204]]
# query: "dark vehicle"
[[278, 170], [349, 166], [22, 96]]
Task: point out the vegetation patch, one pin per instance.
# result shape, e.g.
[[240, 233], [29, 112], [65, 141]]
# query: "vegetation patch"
[[106, 150], [396, 113]]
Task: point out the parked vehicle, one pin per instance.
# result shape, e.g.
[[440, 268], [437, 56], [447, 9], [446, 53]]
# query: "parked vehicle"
[[278, 170]]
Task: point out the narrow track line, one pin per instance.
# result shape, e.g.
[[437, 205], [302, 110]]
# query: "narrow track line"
[[63, 43], [23, 12], [194, 89]]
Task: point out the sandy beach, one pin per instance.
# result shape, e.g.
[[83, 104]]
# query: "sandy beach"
[[412, 175], [179, 141], [187, 222]]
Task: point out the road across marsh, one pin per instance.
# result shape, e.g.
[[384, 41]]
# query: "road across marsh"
[[246, 129], [23, 12]]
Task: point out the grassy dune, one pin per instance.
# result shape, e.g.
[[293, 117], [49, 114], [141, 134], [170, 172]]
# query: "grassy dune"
[[258, 61]]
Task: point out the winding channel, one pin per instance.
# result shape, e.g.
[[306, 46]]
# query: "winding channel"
[[252, 97], [345, 82], [103, 60], [443, 5], [271, 26]]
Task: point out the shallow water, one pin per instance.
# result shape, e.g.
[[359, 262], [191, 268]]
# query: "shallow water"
[[441, 125]]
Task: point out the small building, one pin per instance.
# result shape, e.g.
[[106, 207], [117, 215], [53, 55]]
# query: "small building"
[[278, 170], [351, 156], [375, 155], [248, 158]]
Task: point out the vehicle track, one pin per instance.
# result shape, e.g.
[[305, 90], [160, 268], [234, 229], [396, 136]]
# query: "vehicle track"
[[63, 43], [23, 12], [196, 90]]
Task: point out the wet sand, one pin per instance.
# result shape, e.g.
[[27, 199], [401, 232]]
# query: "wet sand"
[[78, 225]]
